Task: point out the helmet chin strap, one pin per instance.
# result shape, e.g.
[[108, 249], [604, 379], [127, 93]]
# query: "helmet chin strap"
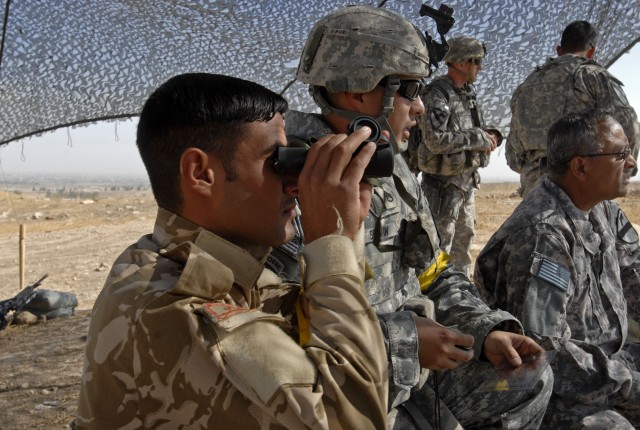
[[393, 84]]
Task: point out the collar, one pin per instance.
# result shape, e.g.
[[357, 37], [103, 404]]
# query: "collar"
[[565, 201], [211, 264]]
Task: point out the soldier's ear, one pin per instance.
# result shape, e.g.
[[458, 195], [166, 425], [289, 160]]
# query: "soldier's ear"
[[195, 170], [354, 101], [579, 168]]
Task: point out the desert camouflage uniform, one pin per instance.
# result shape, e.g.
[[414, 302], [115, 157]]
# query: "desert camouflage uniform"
[[191, 332], [452, 147], [400, 240], [565, 84], [565, 273]]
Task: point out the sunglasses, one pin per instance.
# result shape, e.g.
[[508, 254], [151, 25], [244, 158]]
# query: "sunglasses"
[[409, 88], [618, 156]]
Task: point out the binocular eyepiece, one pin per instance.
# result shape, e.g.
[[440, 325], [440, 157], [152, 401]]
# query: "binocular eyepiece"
[[290, 159]]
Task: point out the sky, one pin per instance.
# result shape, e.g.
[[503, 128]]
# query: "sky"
[[108, 148]]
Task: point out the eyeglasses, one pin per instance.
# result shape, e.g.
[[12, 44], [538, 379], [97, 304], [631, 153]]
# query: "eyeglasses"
[[619, 156], [409, 88], [476, 61]]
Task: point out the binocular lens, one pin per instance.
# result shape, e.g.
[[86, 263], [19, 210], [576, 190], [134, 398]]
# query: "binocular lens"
[[290, 160]]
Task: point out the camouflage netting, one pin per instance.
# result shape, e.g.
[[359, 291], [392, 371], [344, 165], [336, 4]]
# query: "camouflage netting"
[[69, 62]]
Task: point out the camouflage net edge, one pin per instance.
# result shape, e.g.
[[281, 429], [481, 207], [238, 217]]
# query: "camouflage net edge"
[[67, 63]]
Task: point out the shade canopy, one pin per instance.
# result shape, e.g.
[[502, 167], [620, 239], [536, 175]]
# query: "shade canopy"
[[72, 62]]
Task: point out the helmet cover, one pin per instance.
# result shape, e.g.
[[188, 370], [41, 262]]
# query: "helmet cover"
[[463, 49], [353, 48]]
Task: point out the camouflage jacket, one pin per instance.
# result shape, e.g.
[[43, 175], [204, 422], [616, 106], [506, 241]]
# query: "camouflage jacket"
[[451, 132], [565, 84], [190, 331], [565, 274], [401, 240]]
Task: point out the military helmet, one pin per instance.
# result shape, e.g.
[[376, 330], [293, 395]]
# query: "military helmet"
[[463, 49], [354, 48]]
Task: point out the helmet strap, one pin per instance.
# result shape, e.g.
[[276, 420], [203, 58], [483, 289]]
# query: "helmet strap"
[[393, 84]]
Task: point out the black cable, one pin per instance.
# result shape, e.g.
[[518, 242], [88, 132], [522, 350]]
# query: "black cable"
[[4, 29]]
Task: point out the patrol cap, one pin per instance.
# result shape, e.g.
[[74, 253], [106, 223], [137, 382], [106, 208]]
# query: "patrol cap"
[[353, 48], [463, 49]]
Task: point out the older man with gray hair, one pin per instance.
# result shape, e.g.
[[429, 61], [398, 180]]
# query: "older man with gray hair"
[[567, 264]]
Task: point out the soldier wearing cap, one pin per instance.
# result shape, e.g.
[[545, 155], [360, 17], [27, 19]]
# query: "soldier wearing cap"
[[363, 60], [452, 142]]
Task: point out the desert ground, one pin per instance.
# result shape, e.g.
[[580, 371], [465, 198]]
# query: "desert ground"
[[74, 240]]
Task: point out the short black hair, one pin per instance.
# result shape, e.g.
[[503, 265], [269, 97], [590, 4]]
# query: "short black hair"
[[198, 110], [574, 134], [578, 36]]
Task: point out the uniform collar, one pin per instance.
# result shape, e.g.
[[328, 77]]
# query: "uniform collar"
[[211, 264]]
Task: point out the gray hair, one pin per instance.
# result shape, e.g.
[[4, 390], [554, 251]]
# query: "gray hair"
[[574, 134]]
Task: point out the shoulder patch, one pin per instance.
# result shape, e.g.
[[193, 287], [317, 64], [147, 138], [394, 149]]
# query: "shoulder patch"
[[625, 230], [229, 317], [221, 311], [554, 273], [438, 118]]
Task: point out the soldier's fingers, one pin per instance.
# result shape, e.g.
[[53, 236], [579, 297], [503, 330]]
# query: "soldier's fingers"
[[359, 162]]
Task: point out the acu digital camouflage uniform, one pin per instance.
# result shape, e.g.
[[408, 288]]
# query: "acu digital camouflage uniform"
[[452, 145], [565, 84], [191, 332], [401, 241], [565, 274]]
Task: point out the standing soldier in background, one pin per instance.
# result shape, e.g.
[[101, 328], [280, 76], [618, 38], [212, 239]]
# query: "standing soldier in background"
[[363, 60], [569, 83], [453, 141]]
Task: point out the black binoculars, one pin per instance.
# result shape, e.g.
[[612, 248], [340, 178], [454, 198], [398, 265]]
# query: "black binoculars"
[[290, 159]]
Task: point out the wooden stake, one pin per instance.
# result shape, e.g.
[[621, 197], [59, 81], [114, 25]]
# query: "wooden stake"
[[23, 229]]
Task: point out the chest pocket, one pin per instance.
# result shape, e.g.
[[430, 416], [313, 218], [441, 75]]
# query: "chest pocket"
[[387, 227]]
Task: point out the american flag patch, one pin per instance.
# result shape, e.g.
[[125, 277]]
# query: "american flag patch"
[[554, 274]]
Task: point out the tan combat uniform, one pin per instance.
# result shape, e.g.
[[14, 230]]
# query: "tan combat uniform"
[[191, 332]]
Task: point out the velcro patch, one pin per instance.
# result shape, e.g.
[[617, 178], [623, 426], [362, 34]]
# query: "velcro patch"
[[554, 273]]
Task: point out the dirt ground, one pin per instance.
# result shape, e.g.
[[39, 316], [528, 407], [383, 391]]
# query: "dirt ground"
[[74, 241]]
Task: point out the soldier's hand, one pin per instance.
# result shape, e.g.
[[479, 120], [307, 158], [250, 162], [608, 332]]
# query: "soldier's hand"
[[331, 193], [440, 347], [500, 346], [494, 139]]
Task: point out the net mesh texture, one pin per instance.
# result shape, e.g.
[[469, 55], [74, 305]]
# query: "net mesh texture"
[[74, 62]]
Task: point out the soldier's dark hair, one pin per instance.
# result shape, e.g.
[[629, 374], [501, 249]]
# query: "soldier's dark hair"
[[578, 36], [574, 134], [198, 110]]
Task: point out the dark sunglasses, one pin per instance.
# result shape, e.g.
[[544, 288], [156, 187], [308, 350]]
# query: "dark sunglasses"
[[619, 156], [409, 88]]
